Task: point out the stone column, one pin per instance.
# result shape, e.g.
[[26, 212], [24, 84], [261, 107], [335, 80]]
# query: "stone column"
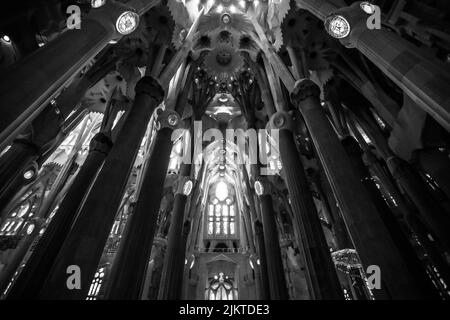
[[85, 242], [27, 148], [32, 83], [173, 268], [13, 164], [432, 212], [265, 289], [392, 224], [370, 236], [37, 268], [320, 270], [128, 271], [423, 79], [275, 270]]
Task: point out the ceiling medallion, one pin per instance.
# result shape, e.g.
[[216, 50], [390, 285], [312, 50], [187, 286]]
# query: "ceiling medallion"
[[223, 62], [224, 57], [225, 18]]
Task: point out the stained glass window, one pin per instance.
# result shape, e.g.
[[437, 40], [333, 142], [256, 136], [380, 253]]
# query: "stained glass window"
[[221, 288], [221, 220], [96, 284]]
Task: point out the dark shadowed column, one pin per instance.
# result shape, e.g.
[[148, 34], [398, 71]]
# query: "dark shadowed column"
[[27, 87], [129, 268], [275, 270], [84, 244], [173, 268], [369, 234], [404, 246], [320, 270], [425, 80], [265, 289], [37, 268]]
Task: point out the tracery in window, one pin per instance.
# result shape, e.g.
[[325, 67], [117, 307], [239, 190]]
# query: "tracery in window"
[[221, 288], [221, 219], [12, 225], [96, 284]]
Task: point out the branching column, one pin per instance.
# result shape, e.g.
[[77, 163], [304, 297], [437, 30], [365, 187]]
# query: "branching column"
[[421, 78], [370, 236], [320, 270], [86, 240], [31, 84], [127, 276], [37, 268]]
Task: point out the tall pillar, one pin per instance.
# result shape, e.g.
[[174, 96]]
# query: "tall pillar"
[[265, 288], [339, 229], [320, 270], [410, 215], [128, 271], [173, 268], [37, 268], [437, 165], [85, 242], [47, 133], [275, 270], [370, 236], [404, 246], [13, 164], [31, 84], [423, 79], [434, 216], [27, 148]]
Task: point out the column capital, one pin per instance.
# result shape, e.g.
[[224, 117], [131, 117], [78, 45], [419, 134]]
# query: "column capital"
[[356, 20], [109, 14], [281, 120], [151, 87], [303, 89]]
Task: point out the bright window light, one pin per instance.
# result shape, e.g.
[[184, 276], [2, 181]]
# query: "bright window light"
[[221, 191]]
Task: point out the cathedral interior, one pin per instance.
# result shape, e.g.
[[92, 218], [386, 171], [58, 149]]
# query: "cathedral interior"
[[225, 150]]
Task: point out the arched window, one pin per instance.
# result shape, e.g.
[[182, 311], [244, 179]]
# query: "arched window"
[[96, 284], [221, 288], [221, 219], [14, 223]]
